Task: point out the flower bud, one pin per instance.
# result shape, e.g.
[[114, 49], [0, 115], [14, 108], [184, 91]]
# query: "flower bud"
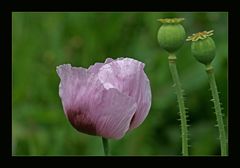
[[203, 47], [171, 35]]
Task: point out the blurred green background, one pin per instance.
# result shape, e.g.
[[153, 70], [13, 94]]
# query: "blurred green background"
[[42, 41]]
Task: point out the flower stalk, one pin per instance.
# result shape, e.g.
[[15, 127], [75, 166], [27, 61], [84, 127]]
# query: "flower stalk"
[[179, 91], [204, 50], [105, 146], [171, 36], [217, 106]]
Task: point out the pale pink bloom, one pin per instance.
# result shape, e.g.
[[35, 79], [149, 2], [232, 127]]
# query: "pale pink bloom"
[[107, 99]]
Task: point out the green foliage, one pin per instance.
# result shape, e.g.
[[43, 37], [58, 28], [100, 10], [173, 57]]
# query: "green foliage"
[[42, 41]]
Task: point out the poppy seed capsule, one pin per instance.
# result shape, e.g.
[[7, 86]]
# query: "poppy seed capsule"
[[203, 47], [171, 35]]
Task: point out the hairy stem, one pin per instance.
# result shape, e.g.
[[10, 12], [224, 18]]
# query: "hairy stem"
[[105, 146], [217, 106], [179, 91]]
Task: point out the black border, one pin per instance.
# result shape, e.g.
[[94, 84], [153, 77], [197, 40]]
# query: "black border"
[[6, 84], [187, 6]]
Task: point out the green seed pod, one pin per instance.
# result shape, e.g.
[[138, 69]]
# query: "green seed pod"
[[171, 35], [203, 47]]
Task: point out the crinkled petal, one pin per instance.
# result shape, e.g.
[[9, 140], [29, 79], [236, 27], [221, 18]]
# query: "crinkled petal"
[[108, 60], [79, 90], [71, 78], [107, 99], [127, 76], [143, 97], [90, 107], [95, 68], [116, 112]]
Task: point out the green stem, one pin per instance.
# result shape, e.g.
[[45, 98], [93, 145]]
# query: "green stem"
[[184, 132], [217, 106], [105, 146]]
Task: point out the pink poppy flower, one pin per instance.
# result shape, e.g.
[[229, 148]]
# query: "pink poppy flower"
[[107, 99]]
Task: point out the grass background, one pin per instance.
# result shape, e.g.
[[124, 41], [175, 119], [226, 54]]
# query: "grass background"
[[42, 41]]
